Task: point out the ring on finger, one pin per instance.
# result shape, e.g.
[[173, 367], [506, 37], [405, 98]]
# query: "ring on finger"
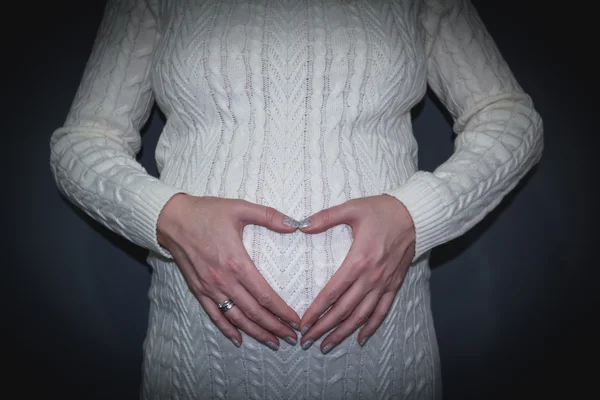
[[226, 305]]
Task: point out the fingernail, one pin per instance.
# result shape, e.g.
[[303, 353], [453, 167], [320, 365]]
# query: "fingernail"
[[290, 340], [307, 344], [237, 344], [289, 221], [294, 326], [305, 329], [327, 348], [305, 222], [364, 340], [272, 345]]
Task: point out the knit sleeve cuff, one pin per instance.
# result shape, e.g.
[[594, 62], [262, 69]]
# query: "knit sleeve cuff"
[[428, 209], [152, 199]]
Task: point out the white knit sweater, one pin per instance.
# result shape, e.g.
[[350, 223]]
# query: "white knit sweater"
[[298, 105]]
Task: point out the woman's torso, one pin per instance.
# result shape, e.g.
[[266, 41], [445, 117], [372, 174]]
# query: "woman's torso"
[[298, 105]]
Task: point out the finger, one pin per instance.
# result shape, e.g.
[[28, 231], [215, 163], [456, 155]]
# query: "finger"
[[217, 317], [237, 318], [255, 214], [341, 280], [328, 218], [359, 317], [209, 305], [259, 289], [376, 318], [341, 310], [262, 317]]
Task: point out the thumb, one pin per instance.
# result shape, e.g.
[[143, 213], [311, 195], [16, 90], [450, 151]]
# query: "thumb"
[[328, 218], [268, 217]]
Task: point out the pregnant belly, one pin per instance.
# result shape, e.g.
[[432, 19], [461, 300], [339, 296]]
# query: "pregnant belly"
[[297, 265]]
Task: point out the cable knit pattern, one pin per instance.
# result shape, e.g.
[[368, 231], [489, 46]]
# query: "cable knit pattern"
[[299, 105]]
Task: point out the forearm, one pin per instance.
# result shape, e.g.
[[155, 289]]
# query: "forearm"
[[501, 141], [94, 173]]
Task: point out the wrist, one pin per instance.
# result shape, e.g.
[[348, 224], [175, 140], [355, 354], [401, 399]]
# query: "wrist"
[[402, 215], [169, 217]]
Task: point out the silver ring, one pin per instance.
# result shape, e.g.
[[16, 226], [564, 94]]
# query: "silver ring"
[[226, 305]]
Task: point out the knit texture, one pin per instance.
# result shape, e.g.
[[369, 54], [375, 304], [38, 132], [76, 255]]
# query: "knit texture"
[[299, 105]]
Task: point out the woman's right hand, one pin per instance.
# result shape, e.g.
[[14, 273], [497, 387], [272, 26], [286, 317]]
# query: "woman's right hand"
[[204, 236]]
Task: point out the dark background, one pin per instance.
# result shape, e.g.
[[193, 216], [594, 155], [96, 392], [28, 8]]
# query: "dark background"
[[512, 298]]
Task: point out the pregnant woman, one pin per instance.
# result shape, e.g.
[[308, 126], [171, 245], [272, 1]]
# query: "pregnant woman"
[[290, 227]]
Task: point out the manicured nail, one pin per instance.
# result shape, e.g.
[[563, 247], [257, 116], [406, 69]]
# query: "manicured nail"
[[290, 340], [272, 345], [289, 221], [234, 341], [305, 222], [327, 348], [305, 329], [307, 344], [294, 326], [364, 340]]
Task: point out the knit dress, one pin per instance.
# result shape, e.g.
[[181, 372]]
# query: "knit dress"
[[298, 105]]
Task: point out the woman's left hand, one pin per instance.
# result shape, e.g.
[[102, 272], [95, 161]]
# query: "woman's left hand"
[[362, 290]]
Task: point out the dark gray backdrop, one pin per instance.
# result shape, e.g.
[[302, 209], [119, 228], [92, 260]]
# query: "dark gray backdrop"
[[512, 298]]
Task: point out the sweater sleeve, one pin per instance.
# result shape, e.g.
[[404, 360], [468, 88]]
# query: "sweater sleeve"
[[93, 155], [499, 134]]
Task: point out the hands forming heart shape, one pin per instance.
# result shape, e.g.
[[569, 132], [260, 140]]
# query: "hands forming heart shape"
[[204, 236]]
